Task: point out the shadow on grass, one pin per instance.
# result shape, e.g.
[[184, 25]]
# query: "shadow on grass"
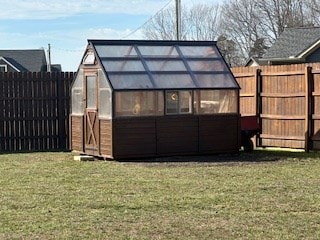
[[35, 151], [256, 156]]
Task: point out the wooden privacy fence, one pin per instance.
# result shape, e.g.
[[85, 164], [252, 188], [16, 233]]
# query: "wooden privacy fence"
[[287, 100], [34, 107], [34, 110]]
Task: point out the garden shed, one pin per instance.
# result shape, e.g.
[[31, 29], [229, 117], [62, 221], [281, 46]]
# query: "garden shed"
[[137, 98]]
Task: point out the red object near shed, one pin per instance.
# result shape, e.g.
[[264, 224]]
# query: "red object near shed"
[[249, 128]]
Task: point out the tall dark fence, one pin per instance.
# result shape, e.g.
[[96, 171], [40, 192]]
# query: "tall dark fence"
[[34, 110]]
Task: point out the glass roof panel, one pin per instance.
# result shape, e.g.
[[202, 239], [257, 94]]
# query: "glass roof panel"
[[123, 65], [223, 80], [207, 65], [199, 51], [173, 81], [115, 51], [130, 81], [165, 65], [158, 51]]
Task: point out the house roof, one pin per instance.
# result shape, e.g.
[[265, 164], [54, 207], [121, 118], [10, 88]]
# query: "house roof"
[[253, 61], [26, 60], [7, 62], [139, 64], [294, 43]]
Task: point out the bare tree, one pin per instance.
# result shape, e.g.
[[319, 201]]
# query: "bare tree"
[[199, 22], [278, 14], [255, 24], [313, 11], [202, 22], [240, 23], [228, 50], [243, 28], [162, 26]]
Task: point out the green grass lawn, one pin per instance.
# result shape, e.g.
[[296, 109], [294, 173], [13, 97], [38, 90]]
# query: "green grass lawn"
[[259, 195]]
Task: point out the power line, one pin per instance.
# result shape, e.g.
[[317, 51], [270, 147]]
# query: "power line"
[[67, 50], [128, 35], [134, 31]]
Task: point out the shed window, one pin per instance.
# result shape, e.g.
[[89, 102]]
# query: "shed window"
[[118, 51], [199, 51], [215, 101], [139, 103], [105, 103], [178, 102], [123, 65], [91, 92], [89, 58], [130, 81], [166, 65], [160, 51], [217, 80], [173, 81], [207, 65], [77, 106], [105, 96]]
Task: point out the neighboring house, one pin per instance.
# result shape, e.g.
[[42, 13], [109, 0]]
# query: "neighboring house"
[[25, 61], [252, 62], [294, 45]]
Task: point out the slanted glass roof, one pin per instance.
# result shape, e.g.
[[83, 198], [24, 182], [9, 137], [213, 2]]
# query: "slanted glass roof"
[[138, 64]]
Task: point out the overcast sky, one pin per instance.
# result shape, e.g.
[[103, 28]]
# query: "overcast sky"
[[67, 24]]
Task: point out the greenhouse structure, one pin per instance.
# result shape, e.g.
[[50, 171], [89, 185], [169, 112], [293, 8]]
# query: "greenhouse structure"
[[137, 98]]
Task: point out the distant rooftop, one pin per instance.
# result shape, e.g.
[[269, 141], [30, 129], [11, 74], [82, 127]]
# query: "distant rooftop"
[[293, 42], [30, 60]]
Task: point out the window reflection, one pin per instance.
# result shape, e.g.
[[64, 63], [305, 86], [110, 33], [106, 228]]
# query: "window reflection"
[[216, 101], [139, 103], [178, 102], [151, 103]]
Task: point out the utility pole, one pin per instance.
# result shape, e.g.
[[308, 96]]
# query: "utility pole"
[[178, 19], [49, 59]]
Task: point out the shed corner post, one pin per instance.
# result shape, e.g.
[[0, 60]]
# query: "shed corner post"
[[308, 109]]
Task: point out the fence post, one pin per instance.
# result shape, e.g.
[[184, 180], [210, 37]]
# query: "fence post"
[[308, 96], [2, 111], [61, 114], [258, 79]]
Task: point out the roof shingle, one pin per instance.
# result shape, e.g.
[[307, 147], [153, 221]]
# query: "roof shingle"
[[26, 60], [292, 42]]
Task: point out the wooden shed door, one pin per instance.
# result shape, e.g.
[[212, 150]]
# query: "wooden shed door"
[[91, 117]]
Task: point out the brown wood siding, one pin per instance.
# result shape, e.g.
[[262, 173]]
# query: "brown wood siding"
[[134, 137], [106, 138], [219, 133], [76, 133], [177, 135], [173, 135]]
